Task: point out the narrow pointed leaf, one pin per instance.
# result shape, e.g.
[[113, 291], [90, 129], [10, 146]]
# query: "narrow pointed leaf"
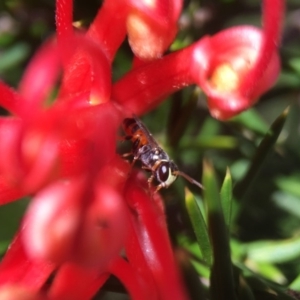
[[295, 285], [211, 142], [199, 226], [274, 251], [270, 271], [222, 282], [287, 202], [261, 153], [226, 197], [201, 270], [263, 290]]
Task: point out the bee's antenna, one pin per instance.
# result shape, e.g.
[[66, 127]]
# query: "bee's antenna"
[[190, 179]]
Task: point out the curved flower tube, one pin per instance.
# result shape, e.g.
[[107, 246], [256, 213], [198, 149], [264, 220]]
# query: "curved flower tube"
[[18, 268], [37, 82], [233, 67], [33, 144], [151, 26], [86, 280], [153, 240], [64, 18], [217, 64], [86, 65], [86, 70], [10, 99], [9, 193], [228, 60], [127, 275]]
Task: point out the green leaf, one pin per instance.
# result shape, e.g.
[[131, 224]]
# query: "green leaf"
[[289, 184], [261, 154], [222, 282], [180, 117], [288, 79], [295, 285], [273, 251], [202, 270], [295, 64], [250, 119], [199, 226], [268, 271], [211, 142], [10, 218], [288, 202], [13, 56], [226, 197], [264, 291], [191, 279]]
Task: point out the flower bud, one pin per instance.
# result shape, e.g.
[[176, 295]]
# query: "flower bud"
[[51, 221], [104, 229], [152, 26]]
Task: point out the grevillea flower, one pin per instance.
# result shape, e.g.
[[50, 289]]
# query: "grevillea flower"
[[90, 215]]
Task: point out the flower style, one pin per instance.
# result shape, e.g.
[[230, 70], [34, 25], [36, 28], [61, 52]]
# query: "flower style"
[[90, 215]]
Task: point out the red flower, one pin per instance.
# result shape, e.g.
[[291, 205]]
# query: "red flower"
[[90, 216]]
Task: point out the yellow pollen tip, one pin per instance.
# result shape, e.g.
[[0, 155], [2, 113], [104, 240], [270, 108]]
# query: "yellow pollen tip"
[[225, 78]]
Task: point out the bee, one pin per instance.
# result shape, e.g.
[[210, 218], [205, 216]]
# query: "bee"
[[153, 158]]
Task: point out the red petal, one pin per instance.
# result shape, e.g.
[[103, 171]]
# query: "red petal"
[[17, 268]]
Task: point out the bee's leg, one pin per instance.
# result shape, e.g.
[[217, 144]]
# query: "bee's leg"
[[135, 158], [150, 180], [125, 155], [158, 188], [147, 169], [124, 138], [150, 184]]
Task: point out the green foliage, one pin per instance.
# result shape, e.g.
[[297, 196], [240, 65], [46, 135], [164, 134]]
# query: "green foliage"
[[240, 270]]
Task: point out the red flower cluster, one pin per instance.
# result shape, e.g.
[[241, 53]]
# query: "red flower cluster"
[[90, 216]]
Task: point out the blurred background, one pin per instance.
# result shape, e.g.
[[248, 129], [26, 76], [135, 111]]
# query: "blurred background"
[[265, 233]]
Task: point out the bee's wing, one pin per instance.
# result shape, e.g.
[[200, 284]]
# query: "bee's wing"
[[151, 141]]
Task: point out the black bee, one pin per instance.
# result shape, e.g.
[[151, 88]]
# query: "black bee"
[[153, 158]]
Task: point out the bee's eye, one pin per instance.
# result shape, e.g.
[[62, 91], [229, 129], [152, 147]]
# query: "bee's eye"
[[164, 174]]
